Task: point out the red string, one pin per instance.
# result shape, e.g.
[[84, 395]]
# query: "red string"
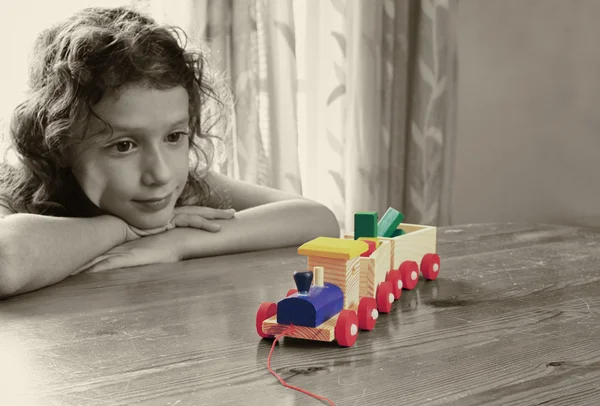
[[280, 379]]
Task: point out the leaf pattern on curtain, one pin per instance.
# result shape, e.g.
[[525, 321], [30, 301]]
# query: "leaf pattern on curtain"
[[288, 33], [428, 115]]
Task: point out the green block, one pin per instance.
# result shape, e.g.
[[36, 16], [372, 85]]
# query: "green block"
[[365, 224], [398, 232], [389, 223]]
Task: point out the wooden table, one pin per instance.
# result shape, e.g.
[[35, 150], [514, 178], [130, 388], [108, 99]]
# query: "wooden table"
[[514, 318]]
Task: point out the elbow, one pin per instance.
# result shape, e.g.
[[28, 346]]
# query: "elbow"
[[327, 223], [7, 290], [331, 224], [9, 285]]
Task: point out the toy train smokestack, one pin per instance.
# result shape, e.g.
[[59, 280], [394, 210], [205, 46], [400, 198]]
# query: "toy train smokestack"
[[318, 271], [304, 280]]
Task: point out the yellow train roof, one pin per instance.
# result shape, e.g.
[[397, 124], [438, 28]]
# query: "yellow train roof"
[[336, 248]]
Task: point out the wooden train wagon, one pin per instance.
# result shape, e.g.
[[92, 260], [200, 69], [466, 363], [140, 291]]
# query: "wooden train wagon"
[[411, 253]]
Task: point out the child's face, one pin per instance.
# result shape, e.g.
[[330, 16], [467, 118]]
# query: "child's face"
[[145, 159]]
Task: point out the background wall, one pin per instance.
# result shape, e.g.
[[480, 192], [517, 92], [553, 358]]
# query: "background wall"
[[528, 124]]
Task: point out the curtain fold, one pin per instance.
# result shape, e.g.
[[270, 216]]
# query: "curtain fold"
[[279, 94]]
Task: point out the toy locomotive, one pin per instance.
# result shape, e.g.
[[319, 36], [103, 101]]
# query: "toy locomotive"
[[353, 279]]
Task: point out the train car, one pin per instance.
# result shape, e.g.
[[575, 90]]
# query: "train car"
[[411, 253], [353, 280]]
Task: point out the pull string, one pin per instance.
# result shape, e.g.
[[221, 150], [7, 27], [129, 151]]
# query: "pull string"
[[280, 379]]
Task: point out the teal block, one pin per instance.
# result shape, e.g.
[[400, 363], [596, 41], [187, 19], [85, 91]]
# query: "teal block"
[[389, 223], [398, 232], [365, 224]]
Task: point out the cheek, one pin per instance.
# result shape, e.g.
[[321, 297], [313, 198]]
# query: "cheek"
[[181, 166], [100, 182], [92, 183]]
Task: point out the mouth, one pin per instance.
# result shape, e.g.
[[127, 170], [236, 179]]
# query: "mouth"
[[152, 205], [158, 199]]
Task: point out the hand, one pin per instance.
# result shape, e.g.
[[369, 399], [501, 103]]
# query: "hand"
[[185, 216], [153, 249]]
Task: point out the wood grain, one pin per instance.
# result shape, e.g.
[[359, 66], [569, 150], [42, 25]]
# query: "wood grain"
[[514, 318]]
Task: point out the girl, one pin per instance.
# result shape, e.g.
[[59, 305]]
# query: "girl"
[[113, 145]]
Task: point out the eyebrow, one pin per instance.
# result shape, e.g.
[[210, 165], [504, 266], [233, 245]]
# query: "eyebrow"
[[124, 128]]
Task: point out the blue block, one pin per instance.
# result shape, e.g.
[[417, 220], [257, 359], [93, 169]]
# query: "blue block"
[[321, 304]]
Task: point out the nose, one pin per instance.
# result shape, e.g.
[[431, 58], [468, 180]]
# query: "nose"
[[156, 168]]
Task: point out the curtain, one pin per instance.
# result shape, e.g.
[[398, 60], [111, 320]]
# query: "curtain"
[[347, 102]]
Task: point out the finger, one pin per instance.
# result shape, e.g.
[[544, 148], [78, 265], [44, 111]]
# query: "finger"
[[100, 266], [116, 262], [206, 212], [195, 221], [88, 265], [138, 232]]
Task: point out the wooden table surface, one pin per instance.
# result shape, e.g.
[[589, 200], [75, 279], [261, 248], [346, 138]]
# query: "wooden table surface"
[[514, 318]]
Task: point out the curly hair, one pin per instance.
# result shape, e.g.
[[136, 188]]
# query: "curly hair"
[[74, 64]]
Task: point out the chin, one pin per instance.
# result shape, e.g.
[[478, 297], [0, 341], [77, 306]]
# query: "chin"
[[149, 221]]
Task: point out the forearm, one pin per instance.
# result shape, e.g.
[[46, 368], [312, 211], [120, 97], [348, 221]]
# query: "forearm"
[[274, 225], [38, 251]]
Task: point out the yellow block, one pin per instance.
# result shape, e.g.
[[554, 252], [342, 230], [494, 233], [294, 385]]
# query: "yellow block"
[[336, 248]]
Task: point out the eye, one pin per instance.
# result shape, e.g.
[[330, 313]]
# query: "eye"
[[176, 137], [123, 146]]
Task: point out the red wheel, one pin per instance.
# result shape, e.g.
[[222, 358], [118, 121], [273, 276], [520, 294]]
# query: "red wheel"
[[395, 278], [430, 266], [266, 310], [291, 292], [367, 313], [385, 297], [346, 328], [410, 274]]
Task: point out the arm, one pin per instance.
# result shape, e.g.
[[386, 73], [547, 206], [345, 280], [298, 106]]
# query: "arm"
[[274, 225], [288, 223], [266, 218], [37, 251]]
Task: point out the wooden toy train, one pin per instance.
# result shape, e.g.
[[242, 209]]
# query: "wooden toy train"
[[353, 279]]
